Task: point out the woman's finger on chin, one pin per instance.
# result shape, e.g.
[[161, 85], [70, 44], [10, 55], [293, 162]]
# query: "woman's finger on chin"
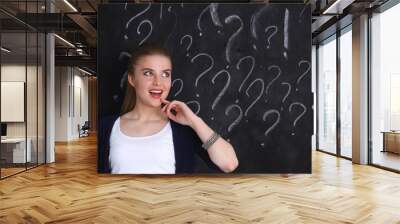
[[164, 101]]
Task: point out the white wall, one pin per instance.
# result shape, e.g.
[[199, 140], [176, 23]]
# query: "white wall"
[[62, 81], [80, 101], [71, 93]]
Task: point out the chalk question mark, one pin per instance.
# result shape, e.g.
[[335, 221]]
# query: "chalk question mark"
[[205, 71], [300, 115], [238, 118], [228, 81], [190, 42], [180, 86], [229, 19], [134, 17], [254, 20], [304, 73], [140, 25], [274, 31], [195, 102], [275, 67], [213, 9], [259, 80], [253, 62], [277, 120], [287, 92]]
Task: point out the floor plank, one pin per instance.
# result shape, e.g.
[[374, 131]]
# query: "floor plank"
[[71, 191]]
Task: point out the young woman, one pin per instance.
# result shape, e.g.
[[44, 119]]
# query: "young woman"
[[148, 138]]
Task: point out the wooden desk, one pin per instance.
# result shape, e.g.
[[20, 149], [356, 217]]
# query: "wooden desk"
[[391, 141], [13, 150]]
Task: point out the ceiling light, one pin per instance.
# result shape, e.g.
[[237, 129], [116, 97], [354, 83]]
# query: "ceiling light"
[[332, 9], [5, 50], [86, 72], [64, 40], [338, 7], [71, 6]]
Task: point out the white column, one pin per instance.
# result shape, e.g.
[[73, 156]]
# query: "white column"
[[360, 90], [50, 93]]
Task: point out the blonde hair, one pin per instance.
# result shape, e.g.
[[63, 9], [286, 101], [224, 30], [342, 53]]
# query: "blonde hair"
[[145, 49]]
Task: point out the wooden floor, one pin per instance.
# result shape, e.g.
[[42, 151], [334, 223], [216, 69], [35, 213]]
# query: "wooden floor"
[[71, 191], [10, 171]]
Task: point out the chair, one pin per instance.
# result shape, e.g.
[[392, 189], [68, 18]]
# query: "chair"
[[84, 130]]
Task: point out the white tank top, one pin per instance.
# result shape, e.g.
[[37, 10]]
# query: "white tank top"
[[153, 154]]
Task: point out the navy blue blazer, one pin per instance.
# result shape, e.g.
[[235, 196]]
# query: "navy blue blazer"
[[187, 147]]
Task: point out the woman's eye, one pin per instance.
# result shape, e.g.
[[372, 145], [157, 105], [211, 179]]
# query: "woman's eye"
[[147, 73], [166, 74]]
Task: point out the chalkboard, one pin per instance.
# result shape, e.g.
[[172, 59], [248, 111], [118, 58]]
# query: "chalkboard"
[[243, 68]]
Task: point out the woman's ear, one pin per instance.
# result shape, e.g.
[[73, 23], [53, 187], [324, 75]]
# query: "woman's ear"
[[131, 79]]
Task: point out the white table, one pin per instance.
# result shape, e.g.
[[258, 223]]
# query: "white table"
[[19, 155]]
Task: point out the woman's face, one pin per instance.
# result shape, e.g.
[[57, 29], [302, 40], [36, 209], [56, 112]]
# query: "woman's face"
[[151, 79]]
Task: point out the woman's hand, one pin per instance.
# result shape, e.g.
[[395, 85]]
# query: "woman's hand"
[[184, 115], [221, 152]]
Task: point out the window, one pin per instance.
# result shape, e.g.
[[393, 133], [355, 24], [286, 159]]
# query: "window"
[[385, 88], [327, 95], [346, 92]]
